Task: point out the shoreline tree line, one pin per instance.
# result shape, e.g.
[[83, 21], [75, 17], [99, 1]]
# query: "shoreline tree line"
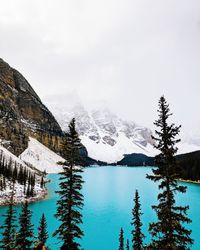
[[12, 173]]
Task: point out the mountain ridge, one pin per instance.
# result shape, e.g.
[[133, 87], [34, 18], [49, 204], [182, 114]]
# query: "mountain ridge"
[[23, 114], [106, 136]]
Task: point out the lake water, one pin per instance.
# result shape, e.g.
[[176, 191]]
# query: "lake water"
[[108, 194]]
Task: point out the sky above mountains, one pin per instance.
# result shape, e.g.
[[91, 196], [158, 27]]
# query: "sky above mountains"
[[123, 54]]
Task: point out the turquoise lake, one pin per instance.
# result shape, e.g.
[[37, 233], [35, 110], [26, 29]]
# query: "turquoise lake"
[[108, 194]]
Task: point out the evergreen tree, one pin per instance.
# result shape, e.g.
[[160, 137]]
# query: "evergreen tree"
[[25, 233], [8, 240], [4, 182], [168, 232], [42, 184], [43, 233], [28, 191], [21, 175], [1, 182], [71, 200], [15, 177], [127, 245], [121, 239], [137, 235]]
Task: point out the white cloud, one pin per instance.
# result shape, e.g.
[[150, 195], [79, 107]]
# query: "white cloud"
[[125, 53]]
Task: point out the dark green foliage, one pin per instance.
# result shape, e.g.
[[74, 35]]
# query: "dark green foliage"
[[121, 239], [137, 235], [70, 204], [136, 160], [189, 165], [42, 183], [25, 233], [43, 233], [8, 240], [28, 191], [16, 173], [168, 233], [127, 245], [31, 183]]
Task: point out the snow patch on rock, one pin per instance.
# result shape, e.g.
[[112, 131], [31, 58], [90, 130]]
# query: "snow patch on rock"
[[41, 157]]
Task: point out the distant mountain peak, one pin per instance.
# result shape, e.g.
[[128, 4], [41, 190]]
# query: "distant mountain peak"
[[106, 136]]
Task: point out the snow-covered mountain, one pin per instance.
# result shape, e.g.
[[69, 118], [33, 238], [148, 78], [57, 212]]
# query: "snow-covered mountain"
[[106, 136]]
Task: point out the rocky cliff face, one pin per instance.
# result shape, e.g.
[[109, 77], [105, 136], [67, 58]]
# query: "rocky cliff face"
[[22, 113]]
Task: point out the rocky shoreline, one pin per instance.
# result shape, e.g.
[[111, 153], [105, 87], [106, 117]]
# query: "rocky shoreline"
[[5, 200], [189, 181]]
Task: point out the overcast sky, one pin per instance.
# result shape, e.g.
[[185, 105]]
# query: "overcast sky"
[[123, 53]]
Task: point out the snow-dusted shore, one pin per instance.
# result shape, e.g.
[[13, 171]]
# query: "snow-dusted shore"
[[35, 157], [5, 200], [189, 181], [19, 197]]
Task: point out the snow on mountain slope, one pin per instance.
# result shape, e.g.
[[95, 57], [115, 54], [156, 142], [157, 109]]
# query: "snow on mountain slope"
[[19, 195], [190, 142], [111, 154], [106, 136], [186, 147], [8, 155], [41, 157]]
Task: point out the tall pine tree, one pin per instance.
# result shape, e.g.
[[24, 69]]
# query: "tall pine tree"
[[121, 239], [43, 233], [169, 232], [127, 245], [137, 235], [70, 204], [8, 240], [25, 233]]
